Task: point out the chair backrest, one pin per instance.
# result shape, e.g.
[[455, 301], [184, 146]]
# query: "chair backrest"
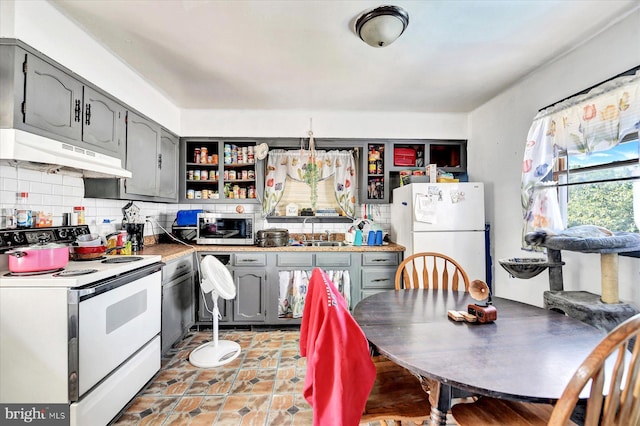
[[431, 270], [621, 405]]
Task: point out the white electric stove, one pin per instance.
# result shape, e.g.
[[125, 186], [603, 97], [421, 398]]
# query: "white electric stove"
[[86, 337]]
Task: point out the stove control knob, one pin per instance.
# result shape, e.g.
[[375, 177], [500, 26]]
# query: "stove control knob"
[[62, 233], [18, 238]]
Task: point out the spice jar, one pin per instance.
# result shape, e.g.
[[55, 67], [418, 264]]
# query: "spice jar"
[[80, 211]]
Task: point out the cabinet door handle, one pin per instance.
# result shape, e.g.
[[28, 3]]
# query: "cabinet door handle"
[[160, 161], [380, 280], [87, 114], [78, 110], [380, 260]]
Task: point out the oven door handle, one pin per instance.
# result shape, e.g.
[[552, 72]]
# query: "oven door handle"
[[97, 288]]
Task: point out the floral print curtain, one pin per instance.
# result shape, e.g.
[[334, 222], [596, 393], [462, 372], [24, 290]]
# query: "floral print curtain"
[[311, 167], [595, 121]]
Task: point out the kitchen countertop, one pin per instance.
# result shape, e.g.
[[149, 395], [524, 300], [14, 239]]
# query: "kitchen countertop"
[[174, 251]]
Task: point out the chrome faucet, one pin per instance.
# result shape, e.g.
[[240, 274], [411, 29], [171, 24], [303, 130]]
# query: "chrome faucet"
[[328, 235], [312, 227]]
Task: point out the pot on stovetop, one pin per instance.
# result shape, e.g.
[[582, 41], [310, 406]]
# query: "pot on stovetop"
[[38, 258]]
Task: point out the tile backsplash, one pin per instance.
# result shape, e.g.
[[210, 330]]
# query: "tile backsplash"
[[59, 193]]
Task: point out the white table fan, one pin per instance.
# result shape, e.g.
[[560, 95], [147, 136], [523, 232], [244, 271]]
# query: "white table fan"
[[217, 280]]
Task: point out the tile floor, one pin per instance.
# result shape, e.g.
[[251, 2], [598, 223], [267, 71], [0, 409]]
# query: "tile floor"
[[263, 386]]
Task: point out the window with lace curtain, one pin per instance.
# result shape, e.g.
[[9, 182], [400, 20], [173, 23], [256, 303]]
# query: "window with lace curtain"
[[581, 163]]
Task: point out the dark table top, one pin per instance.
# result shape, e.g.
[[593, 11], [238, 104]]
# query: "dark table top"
[[527, 354]]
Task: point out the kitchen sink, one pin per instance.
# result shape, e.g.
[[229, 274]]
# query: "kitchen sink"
[[324, 244]]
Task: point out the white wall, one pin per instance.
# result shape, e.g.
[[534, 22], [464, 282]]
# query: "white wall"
[[497, 137], [325, 124]]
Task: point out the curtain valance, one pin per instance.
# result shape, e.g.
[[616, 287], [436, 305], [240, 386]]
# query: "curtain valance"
[[588, 123]]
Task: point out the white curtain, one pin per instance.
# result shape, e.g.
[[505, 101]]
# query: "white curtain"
[[293, 290], [588, 123], [311, 166]]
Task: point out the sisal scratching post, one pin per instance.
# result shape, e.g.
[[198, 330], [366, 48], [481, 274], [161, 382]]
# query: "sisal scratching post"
[[609, 271]]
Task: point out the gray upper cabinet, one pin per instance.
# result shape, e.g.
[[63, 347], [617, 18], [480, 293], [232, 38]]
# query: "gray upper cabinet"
[[143, 155], [168, 165], [50, 101], [103, 123], [152, 159]]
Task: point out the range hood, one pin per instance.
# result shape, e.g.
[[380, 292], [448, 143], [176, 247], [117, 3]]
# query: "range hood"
[[31, 151]]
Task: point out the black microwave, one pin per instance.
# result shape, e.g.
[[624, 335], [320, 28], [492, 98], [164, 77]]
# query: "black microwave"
[[225, 229]]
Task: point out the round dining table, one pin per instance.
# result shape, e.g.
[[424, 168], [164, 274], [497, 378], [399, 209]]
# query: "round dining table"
[[527, 354]]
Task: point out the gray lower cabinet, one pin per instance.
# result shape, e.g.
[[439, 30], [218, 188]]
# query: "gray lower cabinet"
[[42, 98], [259, 280], [250, 302], [378, 272], [257, 277], [178, 304]]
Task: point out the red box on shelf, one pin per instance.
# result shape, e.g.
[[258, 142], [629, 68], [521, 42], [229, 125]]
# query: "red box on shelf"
[[404, 157]]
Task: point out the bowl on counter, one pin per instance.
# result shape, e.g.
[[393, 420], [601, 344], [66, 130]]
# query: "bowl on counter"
[[89, 240]]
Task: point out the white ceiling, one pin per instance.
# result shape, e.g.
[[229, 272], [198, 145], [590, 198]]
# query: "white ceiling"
[[304, 55]]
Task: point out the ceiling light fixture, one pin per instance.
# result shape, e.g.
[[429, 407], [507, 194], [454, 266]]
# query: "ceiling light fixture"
[[381, 26]]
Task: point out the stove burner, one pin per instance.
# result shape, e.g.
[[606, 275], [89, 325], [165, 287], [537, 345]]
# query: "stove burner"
[[29, 274], [122, 259], [90, 259], [75, 272]]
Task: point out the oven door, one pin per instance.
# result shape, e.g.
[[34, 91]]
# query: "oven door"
[[118, 319]]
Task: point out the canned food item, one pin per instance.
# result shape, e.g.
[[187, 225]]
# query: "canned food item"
[[204, 155], [236, 191], [251, 174], [232, 175], [214, 159], [196, 175], [243, 192], [227, 148], [204, 175], [226, 175], [217, 175], [190, 175], [245, 174], [205, 194], [251, 193], [196, 155], [191, 194], [198, 195]]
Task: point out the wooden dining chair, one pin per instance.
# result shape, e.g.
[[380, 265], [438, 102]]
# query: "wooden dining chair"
[[396, 397], [619, 405], [339, 384], [431, 270]]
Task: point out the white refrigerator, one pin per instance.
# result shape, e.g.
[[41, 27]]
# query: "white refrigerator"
[[443, 217]]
